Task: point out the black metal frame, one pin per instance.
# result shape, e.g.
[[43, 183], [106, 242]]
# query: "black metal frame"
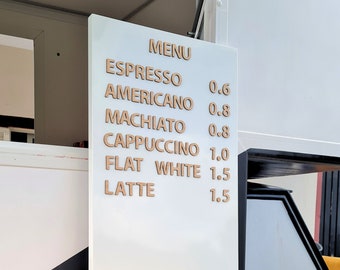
[[242, 207], [330, 214], [261, 163], [195, 23], [14, 121]]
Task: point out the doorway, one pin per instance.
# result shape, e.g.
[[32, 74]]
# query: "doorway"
[[16, 89]]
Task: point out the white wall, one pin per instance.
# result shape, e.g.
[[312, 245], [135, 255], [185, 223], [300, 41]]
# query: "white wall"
[[288, 66], [43, 205], [60, 81], [289, 77], [16, 82]]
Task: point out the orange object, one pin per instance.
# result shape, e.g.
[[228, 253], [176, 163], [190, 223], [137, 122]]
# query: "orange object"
[[333, 263]]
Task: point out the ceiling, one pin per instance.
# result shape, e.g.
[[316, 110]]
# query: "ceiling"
[[176, 16]]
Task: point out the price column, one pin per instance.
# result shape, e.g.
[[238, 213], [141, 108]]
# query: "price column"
[[217, 133]]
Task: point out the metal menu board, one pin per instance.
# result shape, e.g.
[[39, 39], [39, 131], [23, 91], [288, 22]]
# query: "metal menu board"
[[163, 150]]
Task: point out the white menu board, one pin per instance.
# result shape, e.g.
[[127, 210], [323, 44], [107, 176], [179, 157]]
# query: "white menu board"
[[163, 150]]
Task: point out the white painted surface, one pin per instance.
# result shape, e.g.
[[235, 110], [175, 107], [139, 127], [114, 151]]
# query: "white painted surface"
[[283, 143], [43, 205], [215, 26], [179, 228], [288, 67], [17, 42]]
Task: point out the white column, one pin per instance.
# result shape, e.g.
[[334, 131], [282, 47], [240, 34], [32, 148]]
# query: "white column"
[[216, 21]]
